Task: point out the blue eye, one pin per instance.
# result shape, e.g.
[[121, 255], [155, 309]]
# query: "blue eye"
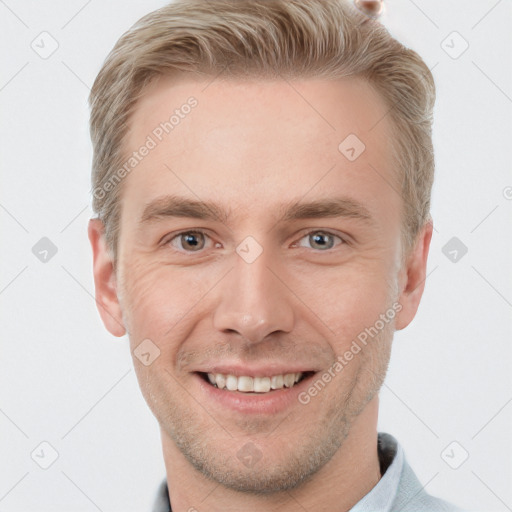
[[195, 241], [321, 240]]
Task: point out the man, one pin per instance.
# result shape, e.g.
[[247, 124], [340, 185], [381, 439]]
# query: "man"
[[262, 174]]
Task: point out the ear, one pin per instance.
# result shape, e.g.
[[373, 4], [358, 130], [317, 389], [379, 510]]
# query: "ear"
[[105, 280], [412, 277]]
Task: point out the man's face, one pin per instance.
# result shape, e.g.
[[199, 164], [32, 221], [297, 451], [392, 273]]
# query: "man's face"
[[256, 292]]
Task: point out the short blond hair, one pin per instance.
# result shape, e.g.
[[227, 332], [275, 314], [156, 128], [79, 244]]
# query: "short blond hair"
[[264, 39]]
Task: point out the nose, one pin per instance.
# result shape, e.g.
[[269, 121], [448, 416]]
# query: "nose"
[[255, 301]]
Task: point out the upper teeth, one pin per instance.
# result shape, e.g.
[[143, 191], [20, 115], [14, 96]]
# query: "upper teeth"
[[256, 384]]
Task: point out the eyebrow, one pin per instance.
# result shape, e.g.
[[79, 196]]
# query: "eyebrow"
[[331, 207], [176, 206]]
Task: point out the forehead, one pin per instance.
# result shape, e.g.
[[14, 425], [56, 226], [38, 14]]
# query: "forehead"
[[235, 141]]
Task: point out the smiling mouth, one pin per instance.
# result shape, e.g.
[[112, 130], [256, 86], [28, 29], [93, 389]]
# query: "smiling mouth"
[[254, 385]]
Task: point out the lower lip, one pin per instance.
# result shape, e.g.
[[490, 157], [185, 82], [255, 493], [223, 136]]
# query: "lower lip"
[[271, 402]]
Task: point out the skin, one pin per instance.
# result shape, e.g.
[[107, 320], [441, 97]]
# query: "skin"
[[252, 147]]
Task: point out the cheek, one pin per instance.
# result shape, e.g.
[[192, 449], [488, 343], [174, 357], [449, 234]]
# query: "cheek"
[[159, 300], [349, 299]]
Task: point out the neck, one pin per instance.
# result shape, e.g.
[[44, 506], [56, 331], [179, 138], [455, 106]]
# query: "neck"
[[350, 474]]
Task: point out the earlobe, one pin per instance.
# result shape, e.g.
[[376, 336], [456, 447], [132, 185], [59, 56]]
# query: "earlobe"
[[107, 301], [414, 274]]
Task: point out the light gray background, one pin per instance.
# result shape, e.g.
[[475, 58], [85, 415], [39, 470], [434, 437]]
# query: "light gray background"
[[66, 381]]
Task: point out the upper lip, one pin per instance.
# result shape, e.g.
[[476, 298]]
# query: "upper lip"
[[266, 370]]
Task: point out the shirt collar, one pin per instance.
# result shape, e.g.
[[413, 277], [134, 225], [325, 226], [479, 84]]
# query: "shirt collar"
[[391, 458], [379, 499]]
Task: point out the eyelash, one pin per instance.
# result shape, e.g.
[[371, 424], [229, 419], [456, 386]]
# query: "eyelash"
[[176, 236]]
